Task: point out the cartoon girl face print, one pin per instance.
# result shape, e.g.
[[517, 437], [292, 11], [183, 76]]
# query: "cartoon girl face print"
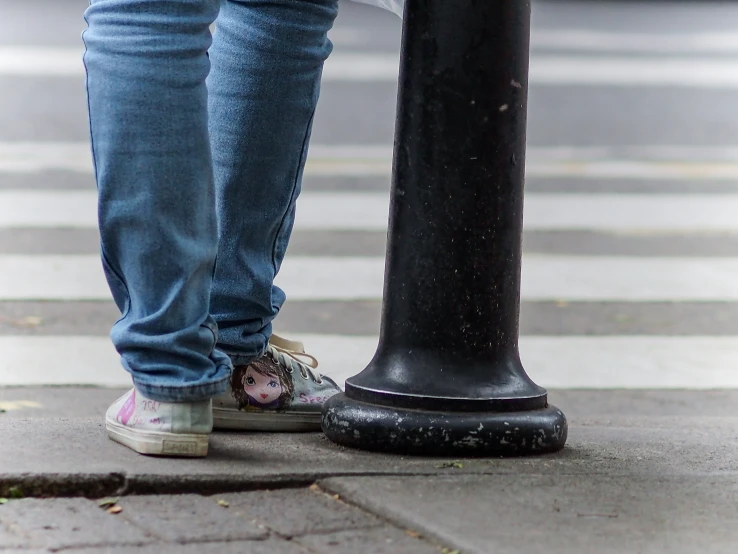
[[261, 384], [262, 389]]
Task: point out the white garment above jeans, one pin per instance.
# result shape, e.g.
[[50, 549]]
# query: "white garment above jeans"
[[396, 6]]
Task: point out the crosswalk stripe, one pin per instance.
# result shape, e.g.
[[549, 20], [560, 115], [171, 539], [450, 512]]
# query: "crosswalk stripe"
[[560, 362], [650, 163], [42, 61], [589, 42], [671, 72], [368, 211], [48, 208], [634, 169], [545, 278], [652, 43], [688, 71], [28, 157]]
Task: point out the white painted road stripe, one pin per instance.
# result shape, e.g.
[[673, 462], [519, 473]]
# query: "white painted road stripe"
[[367, 211], [692, 71], [631, 213], [647, 162], [653, 43], [48, 208], [590, 42], [688, 72], [41, 61], [545, 278], [554, 362], [29, 157]]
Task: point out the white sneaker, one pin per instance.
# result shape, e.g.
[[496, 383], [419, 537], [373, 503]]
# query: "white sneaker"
[[160, 428], [281, 391]]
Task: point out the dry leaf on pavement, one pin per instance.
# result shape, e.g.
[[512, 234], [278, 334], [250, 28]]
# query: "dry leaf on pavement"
[[107, 502]]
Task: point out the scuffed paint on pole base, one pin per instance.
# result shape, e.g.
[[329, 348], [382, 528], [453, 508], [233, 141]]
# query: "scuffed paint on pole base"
[[365, 426]]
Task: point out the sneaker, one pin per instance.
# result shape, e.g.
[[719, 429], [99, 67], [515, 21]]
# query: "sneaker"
[[281, 391], [160, 428]]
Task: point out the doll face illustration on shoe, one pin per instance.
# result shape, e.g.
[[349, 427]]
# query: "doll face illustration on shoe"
[[261, 385], [262, 389]]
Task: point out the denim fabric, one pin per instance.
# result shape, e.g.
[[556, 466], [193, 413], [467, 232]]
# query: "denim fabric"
[[161, 99]]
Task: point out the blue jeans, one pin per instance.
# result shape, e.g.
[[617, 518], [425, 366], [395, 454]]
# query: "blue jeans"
[[199, 152]]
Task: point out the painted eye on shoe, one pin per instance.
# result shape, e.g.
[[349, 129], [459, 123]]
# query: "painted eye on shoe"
[[272, 384], [250, 381]]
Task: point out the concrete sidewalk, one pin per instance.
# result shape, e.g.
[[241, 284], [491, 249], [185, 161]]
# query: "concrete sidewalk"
[[642, 472]]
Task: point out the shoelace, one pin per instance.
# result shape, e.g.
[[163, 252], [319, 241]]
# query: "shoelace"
[[291, 355]]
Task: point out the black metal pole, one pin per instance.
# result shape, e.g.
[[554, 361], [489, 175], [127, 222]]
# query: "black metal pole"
[[447, 377]]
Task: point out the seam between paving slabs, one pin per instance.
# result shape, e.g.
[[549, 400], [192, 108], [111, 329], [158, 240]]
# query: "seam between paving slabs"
[[50, 485], [383, 520], [120, 484], [400, 524], [317, 490]]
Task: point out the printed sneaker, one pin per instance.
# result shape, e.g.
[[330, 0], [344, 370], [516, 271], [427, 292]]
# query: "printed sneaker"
[[281, 391], [160, 428]]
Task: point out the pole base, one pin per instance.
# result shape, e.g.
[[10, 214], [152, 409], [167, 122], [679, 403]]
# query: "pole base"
[[357, 424]]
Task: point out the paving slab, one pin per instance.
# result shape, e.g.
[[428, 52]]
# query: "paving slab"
[[559, 514], [188, 518], [296, 512], [378, 540], [68, 523], [162, 523], [75, 457], [289, 521]]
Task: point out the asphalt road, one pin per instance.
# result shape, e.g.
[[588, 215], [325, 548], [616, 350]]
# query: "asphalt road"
[[631, 242]]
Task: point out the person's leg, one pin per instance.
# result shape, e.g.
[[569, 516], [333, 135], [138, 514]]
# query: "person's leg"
[[267, 59], [146, 67]]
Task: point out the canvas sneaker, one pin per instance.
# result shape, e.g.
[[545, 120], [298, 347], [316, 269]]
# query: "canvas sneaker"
[[281, 391], [160, 428]]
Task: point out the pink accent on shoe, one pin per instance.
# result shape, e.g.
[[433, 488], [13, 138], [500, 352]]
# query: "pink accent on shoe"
[[127, 410]]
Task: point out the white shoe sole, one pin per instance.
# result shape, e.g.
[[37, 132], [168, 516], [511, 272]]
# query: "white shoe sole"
[[236, 420], [157, 443]]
